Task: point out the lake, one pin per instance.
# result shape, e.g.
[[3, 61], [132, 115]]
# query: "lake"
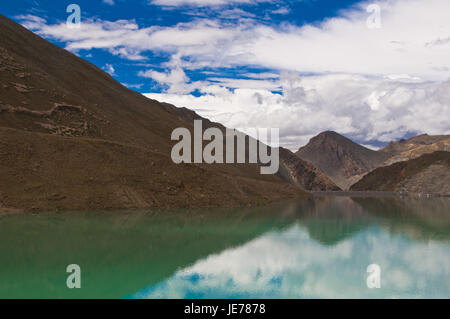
[[313, 248]]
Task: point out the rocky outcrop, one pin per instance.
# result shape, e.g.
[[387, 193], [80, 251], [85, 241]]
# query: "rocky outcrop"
[[427, 174], [303, 174], [414, 147]]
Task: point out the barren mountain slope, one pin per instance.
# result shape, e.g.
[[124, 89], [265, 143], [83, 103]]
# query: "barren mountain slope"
[[429, 173], [414, 147], [304, 174], [292, 169], [71, 137]]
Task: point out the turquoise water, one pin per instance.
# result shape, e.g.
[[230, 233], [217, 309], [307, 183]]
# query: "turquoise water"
[[315, 248]]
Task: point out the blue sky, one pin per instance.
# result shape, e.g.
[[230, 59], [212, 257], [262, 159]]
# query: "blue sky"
[[303, 66]]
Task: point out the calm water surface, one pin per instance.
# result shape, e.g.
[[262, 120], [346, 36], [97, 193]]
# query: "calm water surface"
[[315, 248]]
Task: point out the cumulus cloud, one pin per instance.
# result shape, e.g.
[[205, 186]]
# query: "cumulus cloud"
[[125, 38], [175, 80], [342, 44], [365, 108]]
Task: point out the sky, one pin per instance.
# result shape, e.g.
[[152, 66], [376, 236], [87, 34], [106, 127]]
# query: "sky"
[[374, 71]]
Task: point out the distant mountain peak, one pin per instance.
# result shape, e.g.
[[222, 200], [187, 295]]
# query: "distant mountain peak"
[[333, 137], [328, 134], [343, 160]]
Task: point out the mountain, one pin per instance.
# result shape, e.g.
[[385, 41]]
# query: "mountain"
[[303, 174], [71, 137], [414, 147], [341, 159], [429, 173]]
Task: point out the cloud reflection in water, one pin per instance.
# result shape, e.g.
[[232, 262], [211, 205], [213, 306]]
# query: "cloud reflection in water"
[[290, 264]]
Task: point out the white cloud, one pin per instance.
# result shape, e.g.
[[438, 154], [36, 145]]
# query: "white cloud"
[[175, 80], [366, 108], [109, 69], [32, 22], [133, 86], [340, 45], [110, 2], [375, 148], [282, 10], [126, 39]]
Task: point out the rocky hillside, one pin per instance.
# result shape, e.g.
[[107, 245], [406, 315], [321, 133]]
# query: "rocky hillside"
[[429, 173], [414, 147], [342, 160], [303, 174], [292, 170], [71, 137]]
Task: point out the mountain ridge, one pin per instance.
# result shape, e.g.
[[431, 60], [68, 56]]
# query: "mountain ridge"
[[415, 147], [427, 174], [347, 163]]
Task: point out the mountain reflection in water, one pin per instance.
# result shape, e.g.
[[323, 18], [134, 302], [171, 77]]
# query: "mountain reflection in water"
[[325, 254], [314, 248]]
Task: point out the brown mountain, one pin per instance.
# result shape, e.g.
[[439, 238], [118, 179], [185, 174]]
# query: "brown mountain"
[[429, 173], [303, 174], [71, 137], [341, 159], [414, 147]]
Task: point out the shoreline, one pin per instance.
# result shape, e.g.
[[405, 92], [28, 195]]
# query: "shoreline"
[[5, 211], [375, 194]]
